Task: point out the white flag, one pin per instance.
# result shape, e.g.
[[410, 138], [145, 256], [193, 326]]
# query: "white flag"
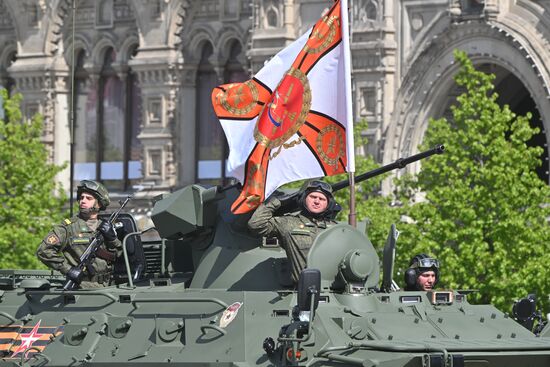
[[293, 119]]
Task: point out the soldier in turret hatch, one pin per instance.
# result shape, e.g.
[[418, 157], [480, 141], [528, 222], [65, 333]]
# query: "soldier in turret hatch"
[[297, 230], [62, 247], [422, 274]]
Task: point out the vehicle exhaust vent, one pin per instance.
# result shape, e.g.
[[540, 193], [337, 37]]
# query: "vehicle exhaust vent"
[[153, 257]]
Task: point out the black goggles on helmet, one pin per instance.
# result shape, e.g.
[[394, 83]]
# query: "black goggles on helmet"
[[427, 262], [319, 185], [90, 185]]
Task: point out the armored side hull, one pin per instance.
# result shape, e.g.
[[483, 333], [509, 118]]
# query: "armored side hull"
[[213, 294], [170, 324]]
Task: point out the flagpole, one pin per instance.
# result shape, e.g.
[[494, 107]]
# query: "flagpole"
[[349, 112]]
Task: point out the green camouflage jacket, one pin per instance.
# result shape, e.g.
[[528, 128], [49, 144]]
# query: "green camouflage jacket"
[[62, 247], [295, 231]]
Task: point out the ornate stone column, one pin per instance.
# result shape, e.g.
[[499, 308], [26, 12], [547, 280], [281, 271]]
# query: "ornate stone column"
[[45, 90], [158, 71], [187, 125]]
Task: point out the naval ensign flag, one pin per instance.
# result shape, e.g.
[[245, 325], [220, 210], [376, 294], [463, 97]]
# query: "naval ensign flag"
[[293, 119]]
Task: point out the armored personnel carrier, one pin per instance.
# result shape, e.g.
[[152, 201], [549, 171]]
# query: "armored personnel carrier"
[[207, 292]]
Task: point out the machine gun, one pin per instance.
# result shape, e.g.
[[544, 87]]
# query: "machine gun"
[[400, 163], [96, 241], [290, 201]]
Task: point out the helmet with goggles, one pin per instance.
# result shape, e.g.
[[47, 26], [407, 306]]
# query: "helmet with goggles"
[[318, 186], [97, 190], [419, 264]]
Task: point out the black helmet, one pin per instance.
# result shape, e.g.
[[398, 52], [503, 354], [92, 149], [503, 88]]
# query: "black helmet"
[[419, 264], [97, 190], [322, 187]]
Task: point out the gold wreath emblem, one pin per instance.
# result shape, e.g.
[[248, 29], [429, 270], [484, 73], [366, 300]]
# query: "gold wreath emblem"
[[334, 148], [298, 121], [231, 107], [332, 22], [254, 183]]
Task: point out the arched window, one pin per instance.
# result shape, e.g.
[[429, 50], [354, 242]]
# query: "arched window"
[[211, 150], [84, 123], [234, 71], [272, 17], [106, 125], [6, 82], [372, 10], [111, 129]]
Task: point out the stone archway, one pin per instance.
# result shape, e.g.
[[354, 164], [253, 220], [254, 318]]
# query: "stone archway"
[[428, 86], [514, 93]]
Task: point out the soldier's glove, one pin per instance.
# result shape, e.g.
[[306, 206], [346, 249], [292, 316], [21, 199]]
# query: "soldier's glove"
[[289, 203], [107, 230], [75, 274]]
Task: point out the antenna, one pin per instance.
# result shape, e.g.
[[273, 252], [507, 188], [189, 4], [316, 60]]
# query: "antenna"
[[71, 115]]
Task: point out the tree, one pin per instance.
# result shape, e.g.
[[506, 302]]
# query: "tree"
[[485, 213], [31, 200]]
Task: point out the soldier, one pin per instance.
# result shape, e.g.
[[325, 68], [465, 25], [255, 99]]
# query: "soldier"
[[422, 274], [296, 231], [63, 246]]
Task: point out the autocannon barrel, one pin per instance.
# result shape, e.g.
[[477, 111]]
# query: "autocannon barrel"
[[400, 163]]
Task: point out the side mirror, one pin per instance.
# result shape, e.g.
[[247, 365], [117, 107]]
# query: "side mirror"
[[309, 286]]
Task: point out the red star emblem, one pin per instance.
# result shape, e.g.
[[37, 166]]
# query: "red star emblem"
[[27, 340]]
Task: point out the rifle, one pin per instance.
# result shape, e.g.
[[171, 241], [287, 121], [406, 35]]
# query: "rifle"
[[96, 241]]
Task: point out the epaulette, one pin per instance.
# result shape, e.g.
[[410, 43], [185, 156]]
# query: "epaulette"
[[67, 221]]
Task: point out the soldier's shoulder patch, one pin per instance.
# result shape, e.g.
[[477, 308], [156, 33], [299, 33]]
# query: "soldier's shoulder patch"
[[52, 239], [67, 221]]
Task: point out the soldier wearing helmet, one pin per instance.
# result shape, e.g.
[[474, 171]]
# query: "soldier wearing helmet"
[[62, 247], [422, 274], [297, 230]]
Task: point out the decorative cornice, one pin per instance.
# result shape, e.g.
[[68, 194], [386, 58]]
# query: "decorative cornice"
[[165, 74], [178, 23], [59, 17]]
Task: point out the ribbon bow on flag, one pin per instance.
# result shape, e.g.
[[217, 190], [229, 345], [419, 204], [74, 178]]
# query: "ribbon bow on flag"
[[290, 121]]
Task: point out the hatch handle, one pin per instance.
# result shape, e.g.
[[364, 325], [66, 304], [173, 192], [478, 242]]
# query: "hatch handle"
[[213, 327], [22, 361]]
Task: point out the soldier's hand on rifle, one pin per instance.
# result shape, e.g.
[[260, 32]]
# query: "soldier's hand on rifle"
[[75, 274], [107, 230]]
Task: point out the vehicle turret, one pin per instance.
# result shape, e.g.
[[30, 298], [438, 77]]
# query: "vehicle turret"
[[227, 256]]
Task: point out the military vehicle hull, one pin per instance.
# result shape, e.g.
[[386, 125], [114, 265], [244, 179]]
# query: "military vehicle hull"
[[166, 323], [213, 294]]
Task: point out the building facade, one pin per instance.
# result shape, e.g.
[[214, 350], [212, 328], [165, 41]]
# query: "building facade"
[[144, 70]]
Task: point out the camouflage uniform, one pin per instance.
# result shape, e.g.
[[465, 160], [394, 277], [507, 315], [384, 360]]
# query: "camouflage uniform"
[[295, 231], [62, 247]]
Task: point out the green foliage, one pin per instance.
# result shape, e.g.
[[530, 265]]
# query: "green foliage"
[[485, 214], [31, 199]]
